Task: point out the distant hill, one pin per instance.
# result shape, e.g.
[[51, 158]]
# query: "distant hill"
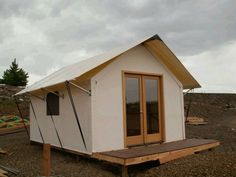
[[7, 103], [201, 103]]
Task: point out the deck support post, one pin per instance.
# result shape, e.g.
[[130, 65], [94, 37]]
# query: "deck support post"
[[46, 159], [124, 171]]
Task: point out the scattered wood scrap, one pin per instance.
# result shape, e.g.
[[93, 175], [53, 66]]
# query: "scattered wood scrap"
[[196, 121], [3, 173], [3, 152], [10, 170]]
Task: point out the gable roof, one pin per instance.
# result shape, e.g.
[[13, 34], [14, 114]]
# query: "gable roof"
[[94, 64]]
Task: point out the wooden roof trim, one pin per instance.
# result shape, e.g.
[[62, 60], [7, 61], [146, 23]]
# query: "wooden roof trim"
[[159, 49]]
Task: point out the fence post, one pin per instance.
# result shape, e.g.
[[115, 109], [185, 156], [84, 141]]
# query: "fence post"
[[46, 159]]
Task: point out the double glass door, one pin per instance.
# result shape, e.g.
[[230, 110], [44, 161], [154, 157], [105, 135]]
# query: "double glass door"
[[142, 109]]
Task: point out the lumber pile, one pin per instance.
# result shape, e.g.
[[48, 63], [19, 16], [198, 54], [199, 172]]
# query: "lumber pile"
[[12, 123], [196, 121]]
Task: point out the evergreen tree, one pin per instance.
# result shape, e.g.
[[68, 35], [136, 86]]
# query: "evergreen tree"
[[15, 76]]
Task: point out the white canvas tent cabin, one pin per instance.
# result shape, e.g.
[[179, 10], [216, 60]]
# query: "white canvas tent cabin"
[[128, 96]]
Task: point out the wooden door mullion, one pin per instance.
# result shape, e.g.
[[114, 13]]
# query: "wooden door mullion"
[[144, 110], [141, 105], [159, 106]]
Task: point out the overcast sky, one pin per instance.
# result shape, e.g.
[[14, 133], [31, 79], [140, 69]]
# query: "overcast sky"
[[45, 35]]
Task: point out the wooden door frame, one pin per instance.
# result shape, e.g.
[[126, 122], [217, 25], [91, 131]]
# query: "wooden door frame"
[[136, 138], [149, 138], [162, 108]]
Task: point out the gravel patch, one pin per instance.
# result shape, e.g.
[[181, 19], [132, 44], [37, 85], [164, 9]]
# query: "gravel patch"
[[218, 162]]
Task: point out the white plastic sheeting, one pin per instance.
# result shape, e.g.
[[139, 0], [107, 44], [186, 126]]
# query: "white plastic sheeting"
[[75, 70]]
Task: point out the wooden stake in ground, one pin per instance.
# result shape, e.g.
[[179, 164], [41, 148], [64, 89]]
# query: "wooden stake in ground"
[[124, 171], [46, 159]]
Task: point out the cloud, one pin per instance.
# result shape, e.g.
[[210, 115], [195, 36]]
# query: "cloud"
[[50, 34], [215, 69]]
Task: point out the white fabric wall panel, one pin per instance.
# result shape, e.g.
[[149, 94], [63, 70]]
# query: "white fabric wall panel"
[[65, 123], [107, 109]]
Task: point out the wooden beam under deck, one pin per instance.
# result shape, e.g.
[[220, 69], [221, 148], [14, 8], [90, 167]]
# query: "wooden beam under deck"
[[161, 152]]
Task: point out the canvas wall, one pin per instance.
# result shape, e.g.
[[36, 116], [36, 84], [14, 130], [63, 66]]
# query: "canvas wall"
[[65, 123], [107, 109]]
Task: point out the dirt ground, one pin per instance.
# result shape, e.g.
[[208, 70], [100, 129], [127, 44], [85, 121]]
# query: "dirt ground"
[[218, 110]]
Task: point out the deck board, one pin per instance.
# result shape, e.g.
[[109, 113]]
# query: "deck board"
[[162, 152], [158, 148]]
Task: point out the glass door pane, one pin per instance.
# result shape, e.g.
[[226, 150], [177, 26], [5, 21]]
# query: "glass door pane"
[[132, 97], [152, 105]]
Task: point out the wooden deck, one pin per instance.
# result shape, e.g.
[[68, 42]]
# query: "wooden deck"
[[161, 152]]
